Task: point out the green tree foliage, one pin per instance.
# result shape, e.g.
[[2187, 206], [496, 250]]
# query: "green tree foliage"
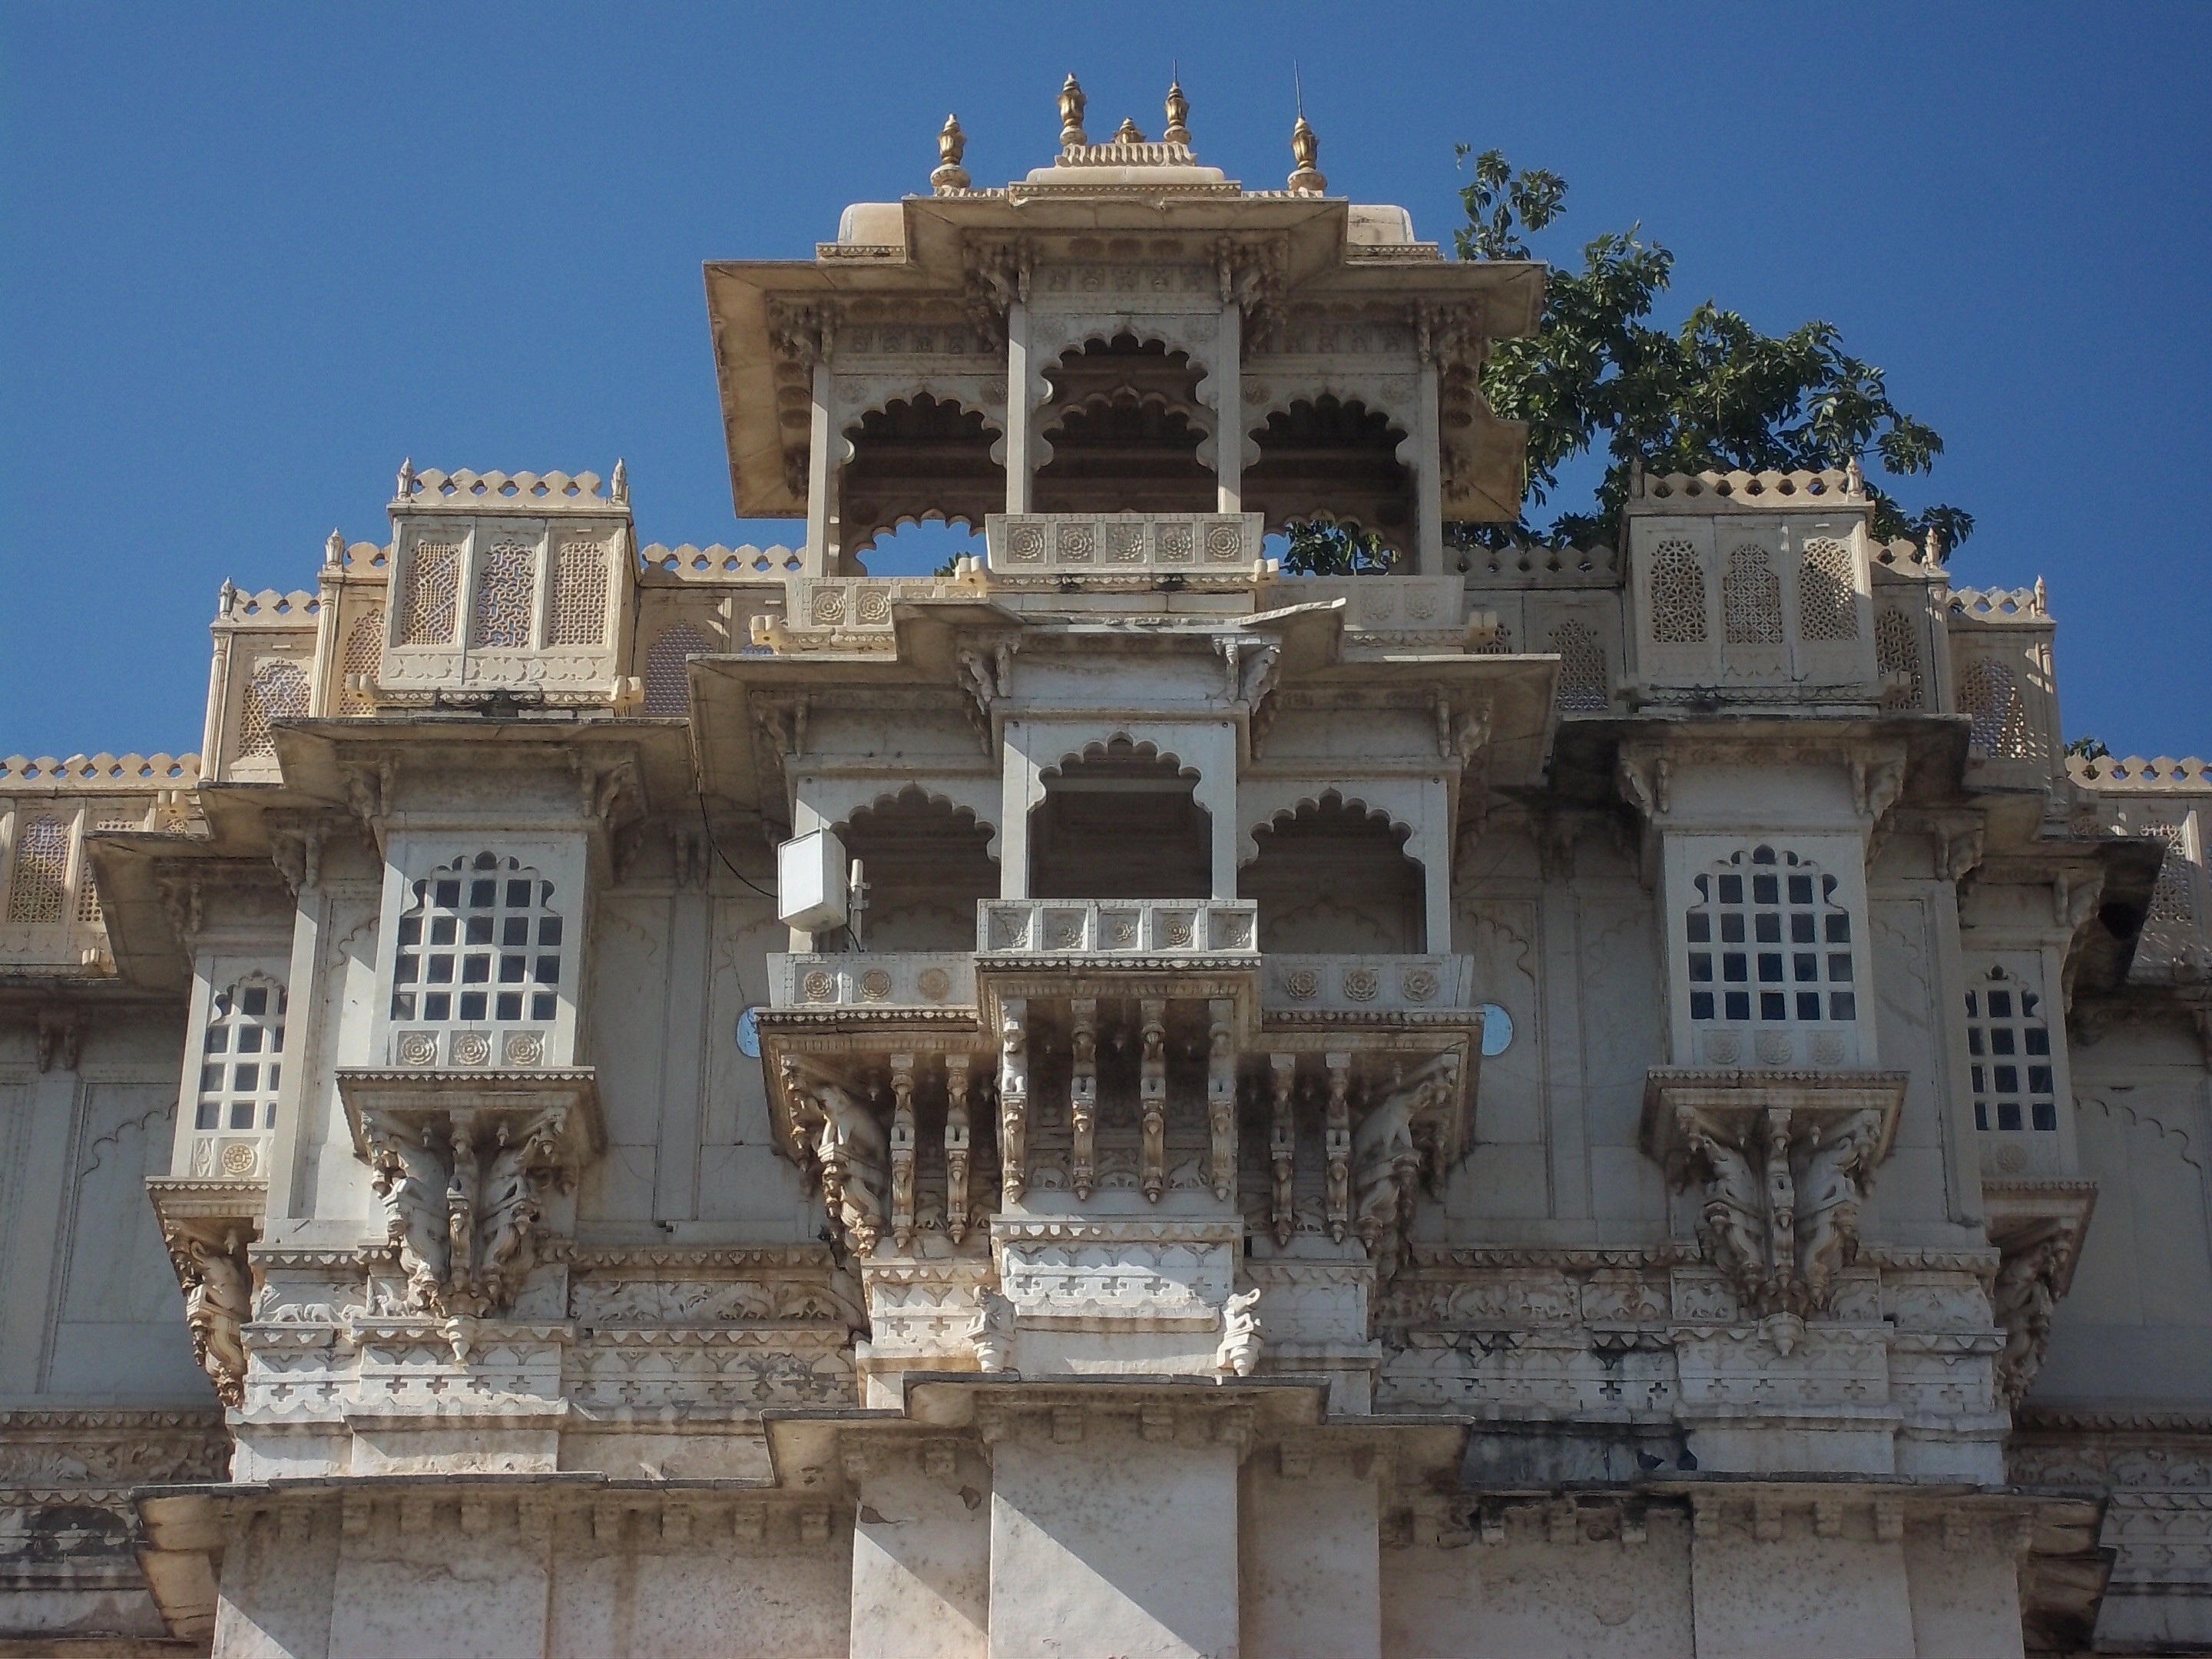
[[1712, 394]]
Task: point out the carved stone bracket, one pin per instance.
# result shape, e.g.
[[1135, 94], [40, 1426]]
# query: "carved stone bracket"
[[2037, 1226], [464, 1164], [1783, 1161], [208, 1226]]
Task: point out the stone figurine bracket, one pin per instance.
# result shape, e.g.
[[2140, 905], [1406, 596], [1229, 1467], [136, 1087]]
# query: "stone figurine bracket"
[[208, 1227], [465, 1165], [1783, 1161], [2037, 1226]]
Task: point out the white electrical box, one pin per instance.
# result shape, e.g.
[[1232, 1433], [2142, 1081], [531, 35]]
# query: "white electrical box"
[[809, 882]]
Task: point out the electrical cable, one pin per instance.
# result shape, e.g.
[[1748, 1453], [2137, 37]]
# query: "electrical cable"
[[707, 824]]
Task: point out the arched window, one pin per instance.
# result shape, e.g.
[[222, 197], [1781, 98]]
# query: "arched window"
[[39, 883], [278, 692], [667, 686], [481, 945], [2008, 1046], [1751, 598], [241, 1056], [1769, 944], [1678, 595]]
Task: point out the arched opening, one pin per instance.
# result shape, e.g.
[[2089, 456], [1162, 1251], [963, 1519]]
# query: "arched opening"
[[1121, 823], [1334, 462], [927, 863], [1125, 424], [918, 458], [1334, 878]]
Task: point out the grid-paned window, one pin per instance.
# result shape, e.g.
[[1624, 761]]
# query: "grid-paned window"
[[1769, 944], [2008, 1055], [242, 1056], [482, 945]]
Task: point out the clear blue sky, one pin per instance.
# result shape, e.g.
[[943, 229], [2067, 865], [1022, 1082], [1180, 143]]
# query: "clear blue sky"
[[251, 256]]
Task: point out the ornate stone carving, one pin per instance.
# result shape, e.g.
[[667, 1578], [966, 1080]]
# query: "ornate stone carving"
[[1393, 1139], [990, 1334], [2038, 1227], [1241, 1335], [1780, 1162]]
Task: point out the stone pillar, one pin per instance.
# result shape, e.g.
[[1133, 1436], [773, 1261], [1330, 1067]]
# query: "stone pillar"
[[1229, 411], [312, 1028], [921, 1573], [824, 555], [1021, 462], [1428, 478]]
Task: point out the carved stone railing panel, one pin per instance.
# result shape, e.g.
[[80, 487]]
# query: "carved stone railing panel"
[[1110, 928], [1109, 549], [876, 979], [1296, 984], [1386, 604]]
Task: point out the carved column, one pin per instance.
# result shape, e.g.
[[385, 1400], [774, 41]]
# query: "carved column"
[[1013, 1098], [1229, 411], [1083, 1095], [1152, 1097], [1021, 464], [956, 1147], [1221, 1095], [1337, 1144], [1282, 1148], [1428, 469], [902, 1150]]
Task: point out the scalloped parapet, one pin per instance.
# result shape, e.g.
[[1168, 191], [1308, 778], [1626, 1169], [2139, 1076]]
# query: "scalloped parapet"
[[2134, 773], [268, 608], [1677, 492], [102, 771], [1533, 565], [1905, 558], [718, 563], [2001, 604], [461, 488], [361, 559]]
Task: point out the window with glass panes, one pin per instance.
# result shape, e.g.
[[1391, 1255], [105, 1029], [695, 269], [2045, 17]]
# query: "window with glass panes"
[[242, 1056], [1769, 944], [2009, 1049], [481, 945]]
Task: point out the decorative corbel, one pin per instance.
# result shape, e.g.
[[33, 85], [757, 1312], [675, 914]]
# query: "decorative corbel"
[[296, 847], [59, 1033], [182, 904], [213, 1269], [369, 792]]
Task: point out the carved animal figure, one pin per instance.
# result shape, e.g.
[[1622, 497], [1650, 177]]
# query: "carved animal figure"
[[1734, 1213], [410, 1182], [991, 1332], [1386, 1161], [2023, 1299], [1829, 1194], [1241, 1335], [853, 1151], [506, 1229]]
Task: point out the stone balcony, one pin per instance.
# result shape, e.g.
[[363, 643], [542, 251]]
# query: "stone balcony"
[[1122, 550], [1117, 927]]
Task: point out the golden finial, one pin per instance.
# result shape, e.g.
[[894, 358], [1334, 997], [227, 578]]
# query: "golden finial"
[[1305, 149], [1178, 130], [1127, 133], [951, 145], [1071, 102]]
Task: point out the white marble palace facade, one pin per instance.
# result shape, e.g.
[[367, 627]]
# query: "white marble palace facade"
[[1619, 1103]]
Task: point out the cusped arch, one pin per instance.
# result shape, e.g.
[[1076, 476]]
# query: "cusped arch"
[[1322, 456], [923, 443], [1058, 345]]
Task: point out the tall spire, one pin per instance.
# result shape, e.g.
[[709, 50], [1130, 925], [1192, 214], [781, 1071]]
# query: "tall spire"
[[1072, 102]]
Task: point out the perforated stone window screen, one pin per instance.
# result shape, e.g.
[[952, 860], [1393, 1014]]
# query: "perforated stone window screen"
[[242, 1056], [38, 883], [577, 611], [1897, 651], [2009, 1049], [1582, 688], [506, 591], [1827, 601], [482, 945], [433, 589], [364, 656], [1678, 595], [667, 687], [2171, 901], [1769, 944], [1987, 691], [277, 692], [1751, 599]]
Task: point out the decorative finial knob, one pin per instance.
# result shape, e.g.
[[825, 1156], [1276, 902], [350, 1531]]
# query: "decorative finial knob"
[[1178, 130], [334, 548], [1127, 133], [619, 491], [1071, 103], [1305, 150], [406, 477], [951, 145]]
